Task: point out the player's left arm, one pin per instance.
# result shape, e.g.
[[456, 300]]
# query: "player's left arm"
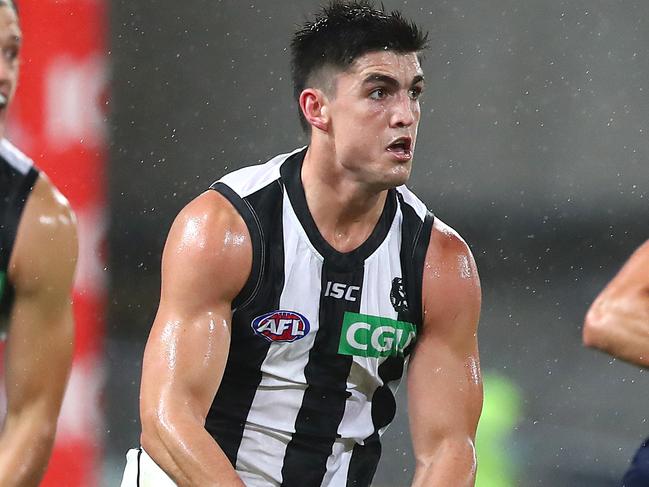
[[40, 341], [444, 381]]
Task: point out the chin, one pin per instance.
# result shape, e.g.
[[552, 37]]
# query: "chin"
[[394, 180], [400, 175]]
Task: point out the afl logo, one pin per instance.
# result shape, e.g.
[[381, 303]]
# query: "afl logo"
[[281, 326]]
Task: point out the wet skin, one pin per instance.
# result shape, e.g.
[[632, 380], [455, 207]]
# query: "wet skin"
[[364, 129], [372, 104]]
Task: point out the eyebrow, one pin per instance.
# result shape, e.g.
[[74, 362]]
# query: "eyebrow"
[[389, 80]]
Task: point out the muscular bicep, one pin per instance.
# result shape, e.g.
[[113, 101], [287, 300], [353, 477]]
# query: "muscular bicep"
[[206, 262], [444, 384], [40, 338]]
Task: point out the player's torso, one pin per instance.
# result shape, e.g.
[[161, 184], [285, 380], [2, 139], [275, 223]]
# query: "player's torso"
[[319, 340]]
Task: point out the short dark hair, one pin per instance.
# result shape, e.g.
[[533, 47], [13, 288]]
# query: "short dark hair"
[[344, 31]]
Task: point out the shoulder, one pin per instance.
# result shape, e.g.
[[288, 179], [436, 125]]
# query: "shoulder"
[[210, 216], [446, 243], [451, 285], [46, 242], [208, 246]]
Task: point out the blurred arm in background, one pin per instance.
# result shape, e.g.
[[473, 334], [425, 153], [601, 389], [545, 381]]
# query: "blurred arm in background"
[[206, 262], [618, 320], [40, 340], [444, 381]]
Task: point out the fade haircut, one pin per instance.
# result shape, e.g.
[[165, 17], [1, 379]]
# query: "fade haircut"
[[342, 32]]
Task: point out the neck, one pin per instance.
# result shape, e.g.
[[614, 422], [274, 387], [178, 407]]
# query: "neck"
[[344, 210]]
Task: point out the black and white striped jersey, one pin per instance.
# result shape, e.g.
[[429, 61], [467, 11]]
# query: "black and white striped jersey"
[[17, 178], [319, 338]]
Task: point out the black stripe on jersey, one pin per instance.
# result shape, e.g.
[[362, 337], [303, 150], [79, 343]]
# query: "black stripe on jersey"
[[323, 405], [291, 172], [137, 478], [227, 416], [254, 228], [15, 188], [414, 244], [362, 466], [6, 302]]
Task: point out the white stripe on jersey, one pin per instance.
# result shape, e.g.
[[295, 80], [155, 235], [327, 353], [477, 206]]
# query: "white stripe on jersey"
[[338, 463], [248, 180], [412, 200], [15, 157], [261, 448]]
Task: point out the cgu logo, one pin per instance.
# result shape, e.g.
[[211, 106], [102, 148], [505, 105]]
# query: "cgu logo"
[[339, 291], [281, 326], [374, 336]]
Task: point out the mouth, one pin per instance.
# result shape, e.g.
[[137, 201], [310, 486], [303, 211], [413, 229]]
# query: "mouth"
[[401, 148]]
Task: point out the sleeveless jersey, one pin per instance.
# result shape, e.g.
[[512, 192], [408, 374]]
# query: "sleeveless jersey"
[[17, 178], [319, 338]]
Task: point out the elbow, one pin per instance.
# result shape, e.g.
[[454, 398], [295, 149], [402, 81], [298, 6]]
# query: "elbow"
[[595, 331], [45, 436], [39, 446], [456, 454], [163, 425], [154, 427]]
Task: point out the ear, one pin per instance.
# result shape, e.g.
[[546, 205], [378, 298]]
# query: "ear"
[[313, 104]]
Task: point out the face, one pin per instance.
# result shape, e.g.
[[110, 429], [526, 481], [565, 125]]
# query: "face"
[[373, 117], [10, 41]]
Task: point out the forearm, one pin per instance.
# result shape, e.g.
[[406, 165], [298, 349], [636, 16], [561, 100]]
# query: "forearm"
[[184, 449], [452, 463], [25, 448]]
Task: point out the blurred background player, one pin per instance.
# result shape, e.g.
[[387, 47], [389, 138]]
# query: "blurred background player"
[[295, 292], [618, 324], [38, 253]]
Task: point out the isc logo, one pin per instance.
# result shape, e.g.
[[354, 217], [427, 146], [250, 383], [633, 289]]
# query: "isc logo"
[[281, 326], [342, 291]]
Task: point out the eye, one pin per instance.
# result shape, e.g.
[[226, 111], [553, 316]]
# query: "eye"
[[378, 94], [415, 93], [10, 53]]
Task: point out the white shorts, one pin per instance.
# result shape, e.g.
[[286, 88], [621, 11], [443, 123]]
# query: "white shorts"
[[142, 471]]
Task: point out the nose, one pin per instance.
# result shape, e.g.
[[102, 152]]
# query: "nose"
[[6, 69], [405, 111]]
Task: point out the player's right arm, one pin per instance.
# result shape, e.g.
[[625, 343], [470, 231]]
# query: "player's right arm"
[[618, 320], [206, 262], [39, 347]]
